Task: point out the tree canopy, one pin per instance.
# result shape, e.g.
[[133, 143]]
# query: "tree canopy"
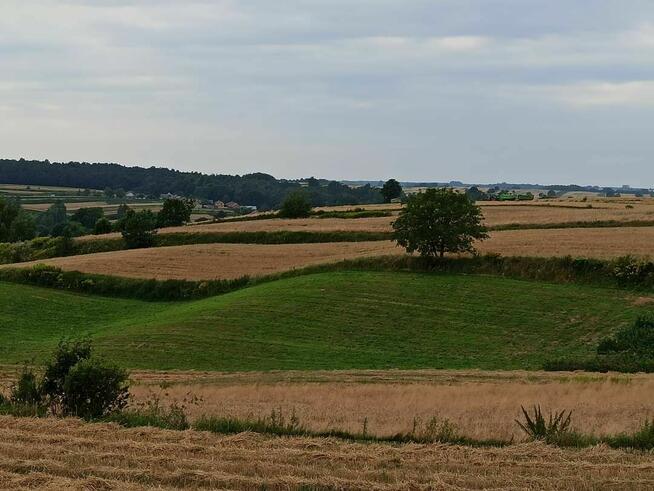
[[296, 205], [391, 190], [258, 189], [439, 221], [15, 223], [175, 212]]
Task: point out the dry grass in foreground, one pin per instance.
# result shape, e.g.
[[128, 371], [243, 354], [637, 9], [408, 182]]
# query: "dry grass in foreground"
[[481, 405], [69, 454]]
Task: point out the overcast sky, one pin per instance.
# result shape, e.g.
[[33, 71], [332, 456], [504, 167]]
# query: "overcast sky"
[[548, 91]]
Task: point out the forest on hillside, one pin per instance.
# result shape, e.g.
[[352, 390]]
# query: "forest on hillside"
[[258, 189]]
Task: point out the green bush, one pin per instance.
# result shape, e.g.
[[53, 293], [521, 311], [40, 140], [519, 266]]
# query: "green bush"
[[92, 390], [630, 350], [296, 205], [26, 391], [75, 384]]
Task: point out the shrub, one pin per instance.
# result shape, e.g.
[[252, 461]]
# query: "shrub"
[[75, 384], [92, 390], [26, 390], [296, 205], [66, 356]]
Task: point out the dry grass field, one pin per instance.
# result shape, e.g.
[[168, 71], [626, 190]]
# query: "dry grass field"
[[482, 405], [601, 243], [500, 214], [211, 261], [225, 261], [68, 454]]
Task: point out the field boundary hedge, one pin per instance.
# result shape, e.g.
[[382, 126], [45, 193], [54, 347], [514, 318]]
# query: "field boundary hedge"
[[626, 272]]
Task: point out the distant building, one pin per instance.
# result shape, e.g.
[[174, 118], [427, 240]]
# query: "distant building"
[[218, 204], [130, 195], [233, 205]]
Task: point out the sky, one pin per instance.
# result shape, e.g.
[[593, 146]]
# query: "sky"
[[538, 91]]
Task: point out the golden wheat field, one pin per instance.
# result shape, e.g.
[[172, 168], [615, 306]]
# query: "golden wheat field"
[[227, 261], [61, 454], [212, 261], [601, 243], [481, 405], [494, 215]]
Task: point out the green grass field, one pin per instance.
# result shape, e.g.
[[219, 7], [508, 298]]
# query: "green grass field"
[[326, 321]]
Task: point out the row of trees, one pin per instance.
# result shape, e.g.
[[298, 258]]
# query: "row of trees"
[[17, 225], [258, 189]]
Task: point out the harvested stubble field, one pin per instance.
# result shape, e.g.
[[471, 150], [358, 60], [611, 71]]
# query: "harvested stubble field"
[[482, 405], [69, 454], [216, 261], [495, 215], [226, 261], [600, 243]]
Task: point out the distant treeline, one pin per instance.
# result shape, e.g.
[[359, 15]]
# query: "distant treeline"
[[258, 189]]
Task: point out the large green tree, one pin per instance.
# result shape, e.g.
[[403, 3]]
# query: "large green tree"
[[175, 212], [139, 228], [15, 223], [439, 221], [391, 190], [296, 205]]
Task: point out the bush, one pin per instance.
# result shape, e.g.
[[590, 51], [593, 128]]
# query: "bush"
[[66, 356], [296, 205], [75, 384], [92, 390], [26, 391], [630, 350]]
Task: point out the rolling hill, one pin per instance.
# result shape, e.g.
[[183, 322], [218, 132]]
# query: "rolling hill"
[[338, 320]]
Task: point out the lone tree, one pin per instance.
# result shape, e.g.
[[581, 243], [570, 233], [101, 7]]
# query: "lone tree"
[[139, 228], [391, 190], [175, 212], [296, 205], [439, 221]]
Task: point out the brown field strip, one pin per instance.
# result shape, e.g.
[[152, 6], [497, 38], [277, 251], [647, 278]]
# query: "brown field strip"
[[495, 215], [69, 454], [211, 261], [227, 261], [600, 243], [482, 405]]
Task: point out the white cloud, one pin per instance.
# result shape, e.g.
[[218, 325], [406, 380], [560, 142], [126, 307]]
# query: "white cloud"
[[589, 94]]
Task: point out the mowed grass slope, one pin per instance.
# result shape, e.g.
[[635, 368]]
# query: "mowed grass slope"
[[328, 321]]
